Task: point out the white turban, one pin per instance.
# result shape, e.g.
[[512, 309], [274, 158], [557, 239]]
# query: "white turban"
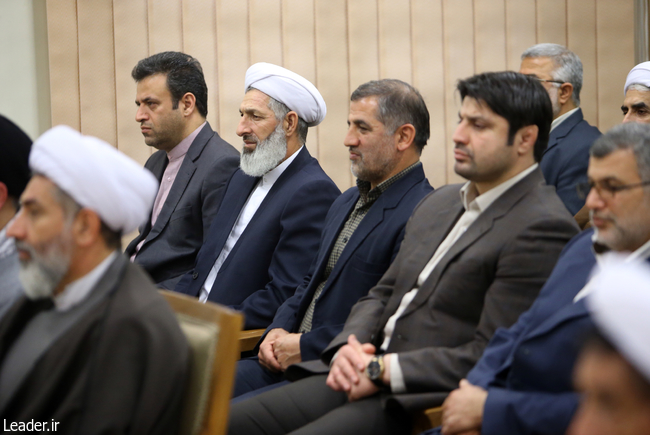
[[295, 91], [639, 74], [620, 306], [96, 176]]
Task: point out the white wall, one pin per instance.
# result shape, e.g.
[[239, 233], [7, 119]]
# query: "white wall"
[[24, 76]]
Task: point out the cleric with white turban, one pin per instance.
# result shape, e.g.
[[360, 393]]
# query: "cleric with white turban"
[[96, 175], [295, 91], [640, 74]]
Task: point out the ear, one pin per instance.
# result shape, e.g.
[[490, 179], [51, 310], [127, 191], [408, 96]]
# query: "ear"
[[290, 123], [4, 194], [565, 92], [525, 139], [188, 103], [86, 228], [405, 135]]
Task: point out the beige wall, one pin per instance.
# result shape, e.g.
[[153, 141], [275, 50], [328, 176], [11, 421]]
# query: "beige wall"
[[337, 44]]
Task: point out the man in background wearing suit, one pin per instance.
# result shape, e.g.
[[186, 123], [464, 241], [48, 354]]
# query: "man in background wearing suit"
[[363, 229], [266, 233], [474, 257], [14, 175], [566, 158], [522, 383], [192, 164]]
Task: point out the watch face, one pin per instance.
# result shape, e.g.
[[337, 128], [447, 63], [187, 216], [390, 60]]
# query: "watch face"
[[374, 369]]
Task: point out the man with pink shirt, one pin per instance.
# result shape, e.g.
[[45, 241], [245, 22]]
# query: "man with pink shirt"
[[192, 164]]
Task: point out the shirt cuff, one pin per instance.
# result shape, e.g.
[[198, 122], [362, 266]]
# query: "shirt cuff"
[[396, 376]]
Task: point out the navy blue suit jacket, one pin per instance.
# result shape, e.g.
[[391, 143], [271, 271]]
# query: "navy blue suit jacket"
[[364, 260], [527, 368], [566, 158], [274, 252]]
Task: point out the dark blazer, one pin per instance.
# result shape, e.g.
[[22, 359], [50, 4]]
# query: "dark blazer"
[[366, 256], [171, 246], [115, 363], [527, 368], [491, 274], [273, 254], [566, 158]]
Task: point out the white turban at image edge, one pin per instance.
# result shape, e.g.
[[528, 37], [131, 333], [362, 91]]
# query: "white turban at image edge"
[[96, 175], [639, 74], [295, 91], [620, 307]]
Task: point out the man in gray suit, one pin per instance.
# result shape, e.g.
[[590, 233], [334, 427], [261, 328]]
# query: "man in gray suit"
[[192, 165], [473, 258], [14, 175]]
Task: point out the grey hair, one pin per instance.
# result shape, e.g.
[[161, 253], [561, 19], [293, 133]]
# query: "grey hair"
[[638, 87], [630, 136], [280, 110], [568, 67]]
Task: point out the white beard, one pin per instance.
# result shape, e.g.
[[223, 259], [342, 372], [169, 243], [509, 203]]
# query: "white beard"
[[267, 154], [41, 274]]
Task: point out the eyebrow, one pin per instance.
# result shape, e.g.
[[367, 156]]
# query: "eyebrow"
[[361, 123]]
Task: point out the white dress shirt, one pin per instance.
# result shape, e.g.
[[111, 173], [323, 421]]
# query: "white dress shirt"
[[474, 205], [557, 121], [248, 211]]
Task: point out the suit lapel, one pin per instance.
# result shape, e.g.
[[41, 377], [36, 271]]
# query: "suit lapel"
[[500, 207], [572, 311], [563, 129]]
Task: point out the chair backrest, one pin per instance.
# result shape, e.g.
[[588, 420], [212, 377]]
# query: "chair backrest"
[[213, 334]]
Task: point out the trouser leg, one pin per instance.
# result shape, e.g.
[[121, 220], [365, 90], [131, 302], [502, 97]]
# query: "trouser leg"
[[251, 375]]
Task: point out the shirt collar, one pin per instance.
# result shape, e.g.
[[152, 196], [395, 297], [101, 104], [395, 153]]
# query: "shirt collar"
[[368, 194], [469, 194], [181, 149], [557, 121], [272, 176], [75, 292]]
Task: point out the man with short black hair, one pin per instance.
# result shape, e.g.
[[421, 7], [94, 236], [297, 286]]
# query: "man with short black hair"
[[522, 383], [266, 233], [91, 348], [474, 257], [566, 158], [14, 175], [192, 164], [362, 234]]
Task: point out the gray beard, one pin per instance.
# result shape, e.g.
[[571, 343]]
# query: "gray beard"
[[267, 154], [41, 274]]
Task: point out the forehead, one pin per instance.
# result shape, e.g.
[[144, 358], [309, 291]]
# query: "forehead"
[[633, 97], [255, 100], [619, 164], [39, 190], [366, 108], [473, 108], [153, 85], [537, 66]]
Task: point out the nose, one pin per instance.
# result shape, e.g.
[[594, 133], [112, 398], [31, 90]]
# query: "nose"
[[243, 127], [351, 139], [141, 114], [460, 135], [16, 228], [629, 117], [594, 201]]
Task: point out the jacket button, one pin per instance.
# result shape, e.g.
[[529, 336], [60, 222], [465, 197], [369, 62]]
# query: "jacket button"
[[195, 275]]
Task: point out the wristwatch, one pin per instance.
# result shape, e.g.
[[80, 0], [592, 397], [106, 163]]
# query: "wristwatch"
[[375, 370]]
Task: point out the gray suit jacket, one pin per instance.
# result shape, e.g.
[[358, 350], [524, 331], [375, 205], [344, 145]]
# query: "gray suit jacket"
[[10, 288], [489, 276], [171, 246]]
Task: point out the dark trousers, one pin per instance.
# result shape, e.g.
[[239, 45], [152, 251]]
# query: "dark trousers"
[[251, 376], [310, 407]]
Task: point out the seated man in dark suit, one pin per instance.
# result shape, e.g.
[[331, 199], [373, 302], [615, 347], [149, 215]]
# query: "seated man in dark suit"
[[474, 257], [362, 234], [522, 383], [266, 233], [566, 158], [91, 348], [192, 164]]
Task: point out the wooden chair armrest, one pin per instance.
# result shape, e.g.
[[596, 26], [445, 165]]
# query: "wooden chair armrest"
[[248, 339], [427, 419]]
